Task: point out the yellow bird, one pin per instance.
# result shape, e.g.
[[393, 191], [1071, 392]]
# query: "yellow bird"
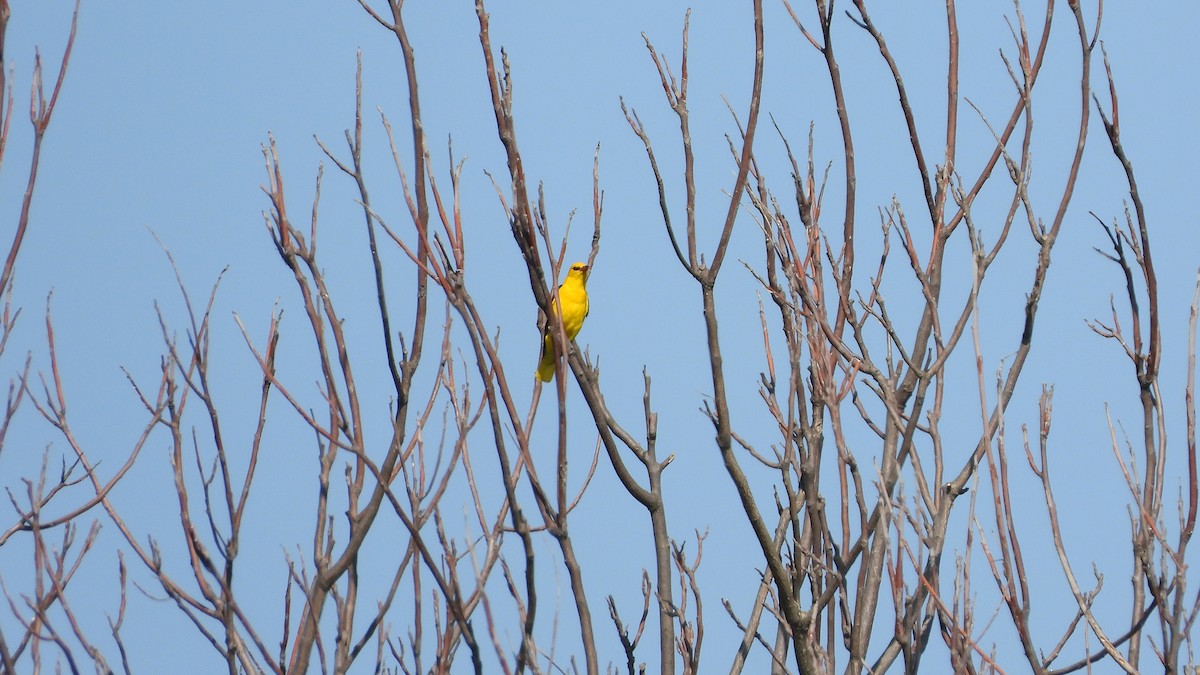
[[573, 296]]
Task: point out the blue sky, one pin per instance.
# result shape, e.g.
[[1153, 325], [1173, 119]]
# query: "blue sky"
[[158, 134]]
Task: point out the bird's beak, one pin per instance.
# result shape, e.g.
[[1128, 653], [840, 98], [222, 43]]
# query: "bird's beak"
[[586, 268]]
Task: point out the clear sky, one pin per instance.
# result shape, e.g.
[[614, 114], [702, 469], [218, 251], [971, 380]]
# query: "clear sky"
[[156, 143]]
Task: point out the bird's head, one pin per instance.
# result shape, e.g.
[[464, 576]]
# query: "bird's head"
[[579, 270]]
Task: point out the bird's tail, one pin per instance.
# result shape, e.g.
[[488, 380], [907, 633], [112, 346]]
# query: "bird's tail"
[[545, 371]]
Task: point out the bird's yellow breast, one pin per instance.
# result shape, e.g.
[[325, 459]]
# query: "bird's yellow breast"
[[572, 297]]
